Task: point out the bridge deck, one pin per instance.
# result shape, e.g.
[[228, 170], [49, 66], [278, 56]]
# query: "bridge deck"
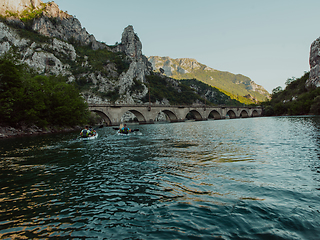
[[147, 113]]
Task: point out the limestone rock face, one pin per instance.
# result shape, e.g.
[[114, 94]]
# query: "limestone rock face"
[[58, 24], [38, 55], [18, 6], [139, 66], [11, 37], [131, 43], [314, 62], [66, 29], [52, 23], [52, 11]]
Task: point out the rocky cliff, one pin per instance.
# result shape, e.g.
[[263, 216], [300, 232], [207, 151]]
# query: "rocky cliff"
[[17, 7], [314, 62], [187, 68], [63, 47], [48, 20], [139, 67]]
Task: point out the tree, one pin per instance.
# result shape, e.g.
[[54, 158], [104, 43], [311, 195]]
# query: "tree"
[[290, 80], [277, 90], [29, 98], [315, 107]]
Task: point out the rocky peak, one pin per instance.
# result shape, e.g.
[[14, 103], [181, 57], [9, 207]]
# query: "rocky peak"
[[139, 66], [52, 11], [131, 43], [314, 62]]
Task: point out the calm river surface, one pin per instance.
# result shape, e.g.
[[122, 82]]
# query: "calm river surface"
[[255, 178]]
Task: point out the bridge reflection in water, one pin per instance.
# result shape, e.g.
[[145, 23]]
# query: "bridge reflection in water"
[[146, 114]]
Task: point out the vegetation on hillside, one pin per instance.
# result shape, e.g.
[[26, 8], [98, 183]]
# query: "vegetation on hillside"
[[228, 83], [102, 61], [236, 86], [184, 92], [99, 59], [213, 95], [295, 99], [176, 93], [27, 98]]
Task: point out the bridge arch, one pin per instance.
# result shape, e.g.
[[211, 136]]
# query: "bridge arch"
[[244, 114], [214, 114], [139, 115], [103, 115], [197, 116], [173, 117], [231, 114], [255, 113]]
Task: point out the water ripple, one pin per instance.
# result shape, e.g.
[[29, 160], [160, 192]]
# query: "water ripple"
[[235, 179]]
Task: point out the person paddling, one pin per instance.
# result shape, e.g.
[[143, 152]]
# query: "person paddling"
[[125, 129], [85, 132], [92, 132]]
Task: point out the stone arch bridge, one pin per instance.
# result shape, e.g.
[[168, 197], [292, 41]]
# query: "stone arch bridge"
[[146, 114]]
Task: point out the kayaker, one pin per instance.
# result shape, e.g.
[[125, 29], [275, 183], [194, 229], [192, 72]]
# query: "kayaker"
[[85, 132], [125, 129], [92, 132]]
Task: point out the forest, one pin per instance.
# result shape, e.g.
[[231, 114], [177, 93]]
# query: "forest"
[[27, 98]]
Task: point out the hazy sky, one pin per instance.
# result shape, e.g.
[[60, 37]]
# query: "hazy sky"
[[267, 41]]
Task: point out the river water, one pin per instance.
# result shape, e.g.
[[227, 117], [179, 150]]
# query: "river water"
[[255, 178]]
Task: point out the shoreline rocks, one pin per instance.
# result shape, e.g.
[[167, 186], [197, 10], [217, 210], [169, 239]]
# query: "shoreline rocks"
[[11, 132]]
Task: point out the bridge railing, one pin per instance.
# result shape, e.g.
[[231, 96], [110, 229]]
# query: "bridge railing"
[[162, 105]]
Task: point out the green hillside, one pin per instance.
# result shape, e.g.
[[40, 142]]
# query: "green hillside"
[[224, 81], [212, 94], [236, 86]]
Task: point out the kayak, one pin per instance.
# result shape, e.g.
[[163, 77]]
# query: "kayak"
[[124, 134], [89, 138], [120, 133]]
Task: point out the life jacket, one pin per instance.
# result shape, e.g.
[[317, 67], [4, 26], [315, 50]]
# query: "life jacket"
[[124, 130], [84, 133]]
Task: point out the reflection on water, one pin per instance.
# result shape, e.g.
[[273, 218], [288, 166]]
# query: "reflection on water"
[[256, 178]]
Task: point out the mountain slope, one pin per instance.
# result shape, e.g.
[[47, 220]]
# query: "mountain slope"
[[186, 68], [54, 43]]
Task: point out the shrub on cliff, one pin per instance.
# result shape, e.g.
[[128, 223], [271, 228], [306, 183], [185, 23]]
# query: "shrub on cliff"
[[295, 99], [28, 98]]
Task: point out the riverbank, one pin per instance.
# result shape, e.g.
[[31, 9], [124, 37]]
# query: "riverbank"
[[11, 132]]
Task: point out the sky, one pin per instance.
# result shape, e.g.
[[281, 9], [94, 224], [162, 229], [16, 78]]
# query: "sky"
[[267, 41]]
